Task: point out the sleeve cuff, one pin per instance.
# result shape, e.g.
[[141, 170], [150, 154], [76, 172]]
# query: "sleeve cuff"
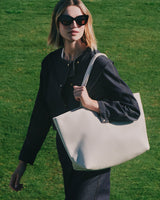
[[103, 114], [28, 154]]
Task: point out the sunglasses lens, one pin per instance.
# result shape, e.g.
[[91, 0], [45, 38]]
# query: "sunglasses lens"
[[65, 20], [82, 20]]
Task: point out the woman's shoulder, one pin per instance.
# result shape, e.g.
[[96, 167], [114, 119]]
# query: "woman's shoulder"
[[105, 65], [103, 60], [51, 56]]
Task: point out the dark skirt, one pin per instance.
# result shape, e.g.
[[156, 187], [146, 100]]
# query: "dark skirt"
[[83, 185]]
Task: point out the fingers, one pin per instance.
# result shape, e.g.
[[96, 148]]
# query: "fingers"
[[12, 182], [15, 183], [78, 88], [15, 178], [81, 94], [79, 91], [19, 187]]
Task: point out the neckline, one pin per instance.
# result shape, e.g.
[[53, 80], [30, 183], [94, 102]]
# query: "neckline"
[[79, 57]]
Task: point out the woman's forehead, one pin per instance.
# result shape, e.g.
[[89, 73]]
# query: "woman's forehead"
[[73, 11]]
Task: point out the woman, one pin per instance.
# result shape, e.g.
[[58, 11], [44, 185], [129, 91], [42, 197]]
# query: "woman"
[[60, 91]]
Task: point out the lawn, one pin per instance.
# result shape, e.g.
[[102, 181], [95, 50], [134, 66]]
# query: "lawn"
[[128, 32]]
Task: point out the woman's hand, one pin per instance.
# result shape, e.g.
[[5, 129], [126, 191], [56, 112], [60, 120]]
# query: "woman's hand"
[[81, 94], [16, 176]]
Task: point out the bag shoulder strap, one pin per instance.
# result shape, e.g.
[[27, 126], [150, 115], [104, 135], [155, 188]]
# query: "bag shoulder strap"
[[89, 69]]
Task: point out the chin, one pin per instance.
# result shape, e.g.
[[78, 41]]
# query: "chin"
[[75, 38]]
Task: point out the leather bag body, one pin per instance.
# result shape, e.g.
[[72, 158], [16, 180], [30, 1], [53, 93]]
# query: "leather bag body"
[[92, 145]]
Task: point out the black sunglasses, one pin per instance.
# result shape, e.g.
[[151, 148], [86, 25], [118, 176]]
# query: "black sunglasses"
[[67, 20]]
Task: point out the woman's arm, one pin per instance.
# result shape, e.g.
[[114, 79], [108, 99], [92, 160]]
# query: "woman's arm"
[[117, 102], [38, 128], [39, 125]]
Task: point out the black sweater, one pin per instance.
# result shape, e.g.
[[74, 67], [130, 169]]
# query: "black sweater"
[[55, 96]]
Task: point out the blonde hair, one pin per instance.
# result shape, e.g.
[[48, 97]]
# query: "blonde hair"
[[56, 39]]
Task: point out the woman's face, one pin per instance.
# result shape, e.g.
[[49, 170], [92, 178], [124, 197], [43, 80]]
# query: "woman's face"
[[72, 32]]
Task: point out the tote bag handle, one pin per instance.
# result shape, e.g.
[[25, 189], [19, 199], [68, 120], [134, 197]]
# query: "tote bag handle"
[[90, 67]]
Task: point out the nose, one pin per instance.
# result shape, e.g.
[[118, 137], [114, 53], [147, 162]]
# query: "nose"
[[74, 24]]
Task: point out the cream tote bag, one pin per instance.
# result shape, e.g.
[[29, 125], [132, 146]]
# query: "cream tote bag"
[[92, 145]]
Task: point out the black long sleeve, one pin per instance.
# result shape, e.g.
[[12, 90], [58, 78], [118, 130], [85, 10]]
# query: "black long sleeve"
[[118, 103], [38, 128]]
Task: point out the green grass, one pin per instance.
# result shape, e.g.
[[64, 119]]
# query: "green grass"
[[128, 32]]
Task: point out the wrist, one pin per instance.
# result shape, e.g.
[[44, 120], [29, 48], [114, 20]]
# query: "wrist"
[[21, 162], [93, 105]]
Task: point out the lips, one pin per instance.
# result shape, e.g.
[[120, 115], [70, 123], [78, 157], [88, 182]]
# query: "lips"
[[73, 32]]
